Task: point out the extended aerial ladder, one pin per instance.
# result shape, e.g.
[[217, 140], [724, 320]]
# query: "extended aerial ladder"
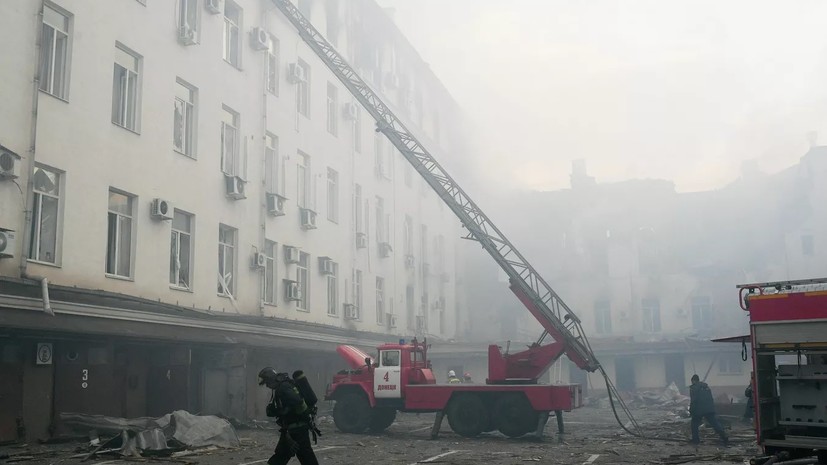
[[556, 318]]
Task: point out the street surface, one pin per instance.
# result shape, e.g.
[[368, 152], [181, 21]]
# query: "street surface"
[[592, 437]]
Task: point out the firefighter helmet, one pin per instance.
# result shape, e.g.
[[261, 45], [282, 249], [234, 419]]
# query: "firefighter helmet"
[[267, 374]]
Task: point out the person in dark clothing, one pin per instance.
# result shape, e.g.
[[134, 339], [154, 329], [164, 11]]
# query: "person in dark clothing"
[[702, 406], [748, 412], [292, 415]]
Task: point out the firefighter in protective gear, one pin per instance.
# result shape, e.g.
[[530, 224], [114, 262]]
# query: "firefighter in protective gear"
[[452, 377], [292, 415]]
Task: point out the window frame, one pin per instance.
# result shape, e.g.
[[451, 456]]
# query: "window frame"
[[232, 32], [332, 195], [303, 281], [357, 208], [273, 168], [380, 301], [651, 314], [122, 111], [270, 271], [224, 289], [117, 234], [332, 120], [333, 291], [303, 180], [358, 291], [175, 252], [272, 76], [189, 16], [47, 85], [357, 128], [231, 128], [603, 316], [189, 119], [36, 236], [303, 94]]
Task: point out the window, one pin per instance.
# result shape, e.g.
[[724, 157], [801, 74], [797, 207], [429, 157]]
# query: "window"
[[303, 180], [357, 208], [226, 260], [332, 195], [273, 67], [232, 25], [333, 291], [188, 17], [602, 317], [702, 317], [45, 219], [273, 171], [390, 358], [332, 105], [357, 292], [357, 128], [183, 130], [126, 89], [303, 90], [808, 245], [651, 315], [423, 245], [54, 53], [730, 364], [302, 277], [119, 235], [229, 141], [380, 300], [407, 235], [332, 22], [380, 215], [180, 256], [268, 288]]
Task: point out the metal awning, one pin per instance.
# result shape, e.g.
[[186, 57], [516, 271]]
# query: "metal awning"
[[742, 339]]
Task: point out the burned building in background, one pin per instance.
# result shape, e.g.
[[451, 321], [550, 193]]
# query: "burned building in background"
[[187, 194], [652, 272]]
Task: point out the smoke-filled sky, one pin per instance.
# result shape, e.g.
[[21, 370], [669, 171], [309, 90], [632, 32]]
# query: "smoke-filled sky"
[[682, 90]]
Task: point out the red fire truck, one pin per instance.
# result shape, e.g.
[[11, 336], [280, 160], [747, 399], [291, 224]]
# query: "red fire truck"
[[788, 334], [400, 379]]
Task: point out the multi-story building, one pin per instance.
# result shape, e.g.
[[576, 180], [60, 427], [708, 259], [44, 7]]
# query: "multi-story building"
[[187, 194], [652, 272]]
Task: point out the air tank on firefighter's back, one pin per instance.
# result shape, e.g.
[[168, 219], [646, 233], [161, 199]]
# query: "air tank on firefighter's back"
[[306, 391]]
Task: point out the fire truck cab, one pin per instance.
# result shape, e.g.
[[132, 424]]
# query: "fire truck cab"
[[788, 333]]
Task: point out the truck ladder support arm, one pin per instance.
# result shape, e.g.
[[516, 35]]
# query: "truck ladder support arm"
[[552, 313]]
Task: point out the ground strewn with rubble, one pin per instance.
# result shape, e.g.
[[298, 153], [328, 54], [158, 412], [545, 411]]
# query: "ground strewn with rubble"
[[591, 437]]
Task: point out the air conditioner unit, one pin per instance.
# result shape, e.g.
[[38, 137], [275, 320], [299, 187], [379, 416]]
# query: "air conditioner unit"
[[308, 218], [391, 319], [186, 35], [6, 243], [291, 254], [326, 265], [259, 39], [275, 204], [259, 261], [161, 209], [214, 6], [351, 111], [420, 323], [361, 240], [292, 292], [392, 80], [351, 312], [235, 187], [296, 73], [385, 249], [8, 165], [409, 261]]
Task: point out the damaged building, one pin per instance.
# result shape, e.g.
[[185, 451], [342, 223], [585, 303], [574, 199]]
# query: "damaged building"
[[187, 195]]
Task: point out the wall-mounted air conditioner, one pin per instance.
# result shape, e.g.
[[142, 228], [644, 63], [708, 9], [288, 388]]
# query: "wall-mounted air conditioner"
[[292, 292], [351, 312], [351, 111], [409, 261], [258, 261], [308, 218], [235, 187], [187, 35], [326, 265], [160, 209], [6, 243], [214, 6], [275, 204], [9, 164], [296, 74], [385, 249], [291, 254], [259, 39], [391, 319], [361, 240]]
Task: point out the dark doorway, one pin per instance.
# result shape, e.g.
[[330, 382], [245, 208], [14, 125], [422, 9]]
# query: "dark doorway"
[[673, 364], [11, 391], [625, 374]]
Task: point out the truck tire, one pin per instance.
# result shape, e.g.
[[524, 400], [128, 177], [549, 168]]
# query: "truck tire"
[[351, 414], [822, 456], [515, 416], [381, 419], [468, 415]]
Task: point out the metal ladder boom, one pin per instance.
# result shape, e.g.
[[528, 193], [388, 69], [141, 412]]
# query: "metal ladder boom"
[[553, 314]]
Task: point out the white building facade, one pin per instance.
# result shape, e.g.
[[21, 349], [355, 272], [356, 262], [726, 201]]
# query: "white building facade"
[[198, 196]]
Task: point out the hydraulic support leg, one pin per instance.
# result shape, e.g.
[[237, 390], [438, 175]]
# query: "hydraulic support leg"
[[437, 424], [559, 415]]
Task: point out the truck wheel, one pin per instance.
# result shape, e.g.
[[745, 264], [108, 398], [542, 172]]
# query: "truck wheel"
[[467, 415], [822, 456], [515, 416], [351, 414], [381, 419]]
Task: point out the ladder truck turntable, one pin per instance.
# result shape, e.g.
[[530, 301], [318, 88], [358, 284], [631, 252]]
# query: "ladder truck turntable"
[[370, 393], [788, 338]]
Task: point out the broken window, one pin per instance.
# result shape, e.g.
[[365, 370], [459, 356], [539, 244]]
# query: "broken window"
[[333, 291], [303, 90], [380, 300], [119, 235], [125, 91], [44, 231], [302, 277], [232, 25], [269, 291], [651, 315], [180, 262], [54, 53], [332, 109], [226, 260], [273, 67], [230, 142], [332, 195], [183, 127]]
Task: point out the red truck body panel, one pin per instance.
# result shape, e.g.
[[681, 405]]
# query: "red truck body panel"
[[543, 398]]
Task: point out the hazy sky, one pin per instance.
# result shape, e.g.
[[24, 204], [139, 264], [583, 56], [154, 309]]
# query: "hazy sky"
[[682, 90]]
